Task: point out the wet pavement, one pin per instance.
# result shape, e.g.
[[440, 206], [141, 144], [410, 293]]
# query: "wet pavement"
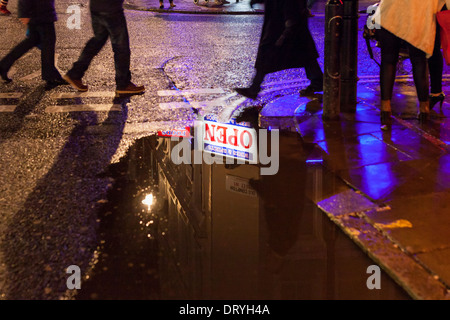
[[395, 198], [347, 196], [225, 232]]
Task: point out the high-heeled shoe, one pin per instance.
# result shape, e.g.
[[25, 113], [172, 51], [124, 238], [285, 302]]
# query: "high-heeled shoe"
[[435, 99]]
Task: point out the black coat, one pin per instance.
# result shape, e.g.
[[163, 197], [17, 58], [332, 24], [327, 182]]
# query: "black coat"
[[39, 11], [286, 41]]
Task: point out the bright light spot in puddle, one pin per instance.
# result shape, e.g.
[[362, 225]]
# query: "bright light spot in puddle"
[[148, 201]]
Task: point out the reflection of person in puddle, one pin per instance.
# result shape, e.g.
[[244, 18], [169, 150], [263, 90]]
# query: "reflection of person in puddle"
[[283, 198]]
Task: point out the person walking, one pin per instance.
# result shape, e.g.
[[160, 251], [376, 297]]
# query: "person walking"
[[414, 23], [108, 21], [39, 16], [3, 8], [171, 4], [285, 43]]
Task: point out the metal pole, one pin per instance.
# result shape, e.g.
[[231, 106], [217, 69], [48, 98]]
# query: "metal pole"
[[332, 72], [349, 56]]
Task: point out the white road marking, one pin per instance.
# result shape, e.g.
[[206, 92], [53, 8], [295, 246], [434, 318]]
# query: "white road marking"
[[87, 94], [7, 108], [31, 76], [169, 93], [84, 108], [193, 104], [10, 95]]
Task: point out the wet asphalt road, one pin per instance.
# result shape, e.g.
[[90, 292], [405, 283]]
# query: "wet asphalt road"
[[54, 164]]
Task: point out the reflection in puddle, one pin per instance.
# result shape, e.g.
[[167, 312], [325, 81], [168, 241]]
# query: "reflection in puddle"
[[224, 231]]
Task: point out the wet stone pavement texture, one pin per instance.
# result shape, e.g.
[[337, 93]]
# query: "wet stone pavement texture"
[[67, 184]]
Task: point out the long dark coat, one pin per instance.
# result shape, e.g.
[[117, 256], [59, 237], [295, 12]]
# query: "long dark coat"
[[285, 22]]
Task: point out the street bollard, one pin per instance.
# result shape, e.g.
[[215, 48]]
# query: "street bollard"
[[349, 56], [332, 72]]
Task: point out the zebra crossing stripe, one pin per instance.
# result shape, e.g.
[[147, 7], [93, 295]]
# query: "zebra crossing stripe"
[[169, 93], [10, 95], [7, 108], [31, 76], [87, 94], [84, 108], [193, 104]]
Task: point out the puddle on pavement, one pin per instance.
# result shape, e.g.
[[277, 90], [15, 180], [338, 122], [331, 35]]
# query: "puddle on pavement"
[[222, 231]]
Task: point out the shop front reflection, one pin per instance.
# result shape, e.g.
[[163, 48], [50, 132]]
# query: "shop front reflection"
[[227, 232]]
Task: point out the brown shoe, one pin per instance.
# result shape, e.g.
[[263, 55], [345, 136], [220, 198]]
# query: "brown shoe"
[[76, 83], [131, 88], [4, 11]]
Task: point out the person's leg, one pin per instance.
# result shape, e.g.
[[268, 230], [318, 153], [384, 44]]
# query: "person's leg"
[[421, 80], [118, 31], [48, 41], [91, 49], [252, 91], [315, 76], [18, 51], [420, 72], [390, 49], [436, 66]]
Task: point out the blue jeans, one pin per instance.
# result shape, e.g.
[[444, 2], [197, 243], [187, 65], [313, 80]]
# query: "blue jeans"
[[113, 26], [44, 35]]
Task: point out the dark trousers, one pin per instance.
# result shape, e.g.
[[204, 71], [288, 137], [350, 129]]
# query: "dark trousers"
[[114, 27], [390, 50], [436, 63], [314, 74], [38, 34]]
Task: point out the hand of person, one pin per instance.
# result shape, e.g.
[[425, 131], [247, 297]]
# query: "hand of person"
[[25, 21]]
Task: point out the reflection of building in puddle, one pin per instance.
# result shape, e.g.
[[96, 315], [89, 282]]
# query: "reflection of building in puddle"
[[227, 232]]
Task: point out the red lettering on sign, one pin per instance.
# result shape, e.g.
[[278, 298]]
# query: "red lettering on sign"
[[208, 132], [250, 139], [222, 135], [233, 139]]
